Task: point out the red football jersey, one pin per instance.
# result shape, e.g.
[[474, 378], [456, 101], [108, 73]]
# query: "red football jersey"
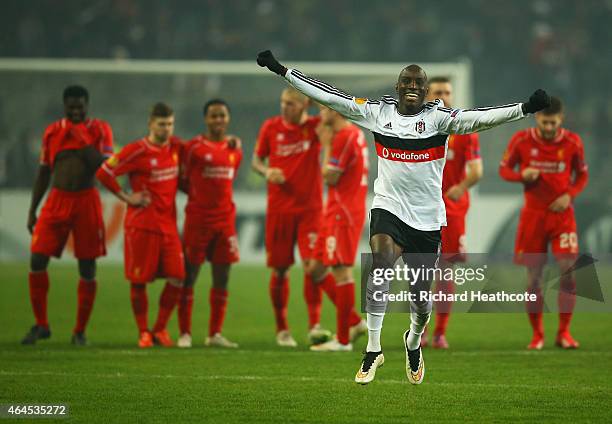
[[346, 200], [294, 149], [208, 170], [155, 169], [556, 159], [66, 135], [462, 148]]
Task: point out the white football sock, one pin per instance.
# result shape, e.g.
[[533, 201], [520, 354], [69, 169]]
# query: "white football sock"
[[374, 322], [418, 321]]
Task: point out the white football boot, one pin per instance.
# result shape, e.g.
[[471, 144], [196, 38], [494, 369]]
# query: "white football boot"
[[218, 340], [184, 340], [415, 365], [318, 335], [369, 364], [332, 346], [284, 339]]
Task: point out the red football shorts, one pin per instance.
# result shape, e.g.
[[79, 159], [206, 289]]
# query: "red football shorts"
[[149, 255], [453, 238], [337, 245], [537, 228], [217, 243], [284, 230], [79, 212]]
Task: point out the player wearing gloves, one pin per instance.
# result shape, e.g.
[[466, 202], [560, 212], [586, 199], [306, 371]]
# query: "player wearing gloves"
[[408, 210]]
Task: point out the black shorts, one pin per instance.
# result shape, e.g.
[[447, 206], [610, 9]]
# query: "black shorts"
[[410, 239]]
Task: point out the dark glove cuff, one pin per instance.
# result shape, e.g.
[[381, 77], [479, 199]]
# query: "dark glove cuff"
[[279, 69]]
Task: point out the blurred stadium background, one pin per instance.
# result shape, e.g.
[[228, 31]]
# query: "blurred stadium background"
[[505, 49]]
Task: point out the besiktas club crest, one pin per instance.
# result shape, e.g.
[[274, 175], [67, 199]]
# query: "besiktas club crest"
[[420, 127]]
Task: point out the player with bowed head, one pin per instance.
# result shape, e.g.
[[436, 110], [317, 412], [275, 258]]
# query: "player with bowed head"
[[552, 170]]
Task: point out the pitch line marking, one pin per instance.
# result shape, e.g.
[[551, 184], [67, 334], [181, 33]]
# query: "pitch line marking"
[[287, 379], [242, 351]]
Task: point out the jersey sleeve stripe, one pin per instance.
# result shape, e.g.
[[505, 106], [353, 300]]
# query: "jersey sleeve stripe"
[[324, 84], [482, 109], [320, 84], [321, 87]]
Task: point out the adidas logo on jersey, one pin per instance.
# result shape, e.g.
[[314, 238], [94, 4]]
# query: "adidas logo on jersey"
[[388, 126]]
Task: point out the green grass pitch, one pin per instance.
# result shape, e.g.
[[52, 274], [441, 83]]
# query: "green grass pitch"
[[486, 376]]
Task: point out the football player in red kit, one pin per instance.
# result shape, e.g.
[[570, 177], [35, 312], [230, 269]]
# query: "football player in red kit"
[[72, 150], [551, 167], [290, 144], [345, 171], [209, 165], [152, 245], [462, 170]]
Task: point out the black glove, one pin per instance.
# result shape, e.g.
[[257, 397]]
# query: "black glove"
[[537, 101], [266, 59]]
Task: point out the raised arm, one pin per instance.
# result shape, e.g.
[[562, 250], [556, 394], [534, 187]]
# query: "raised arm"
[[465, 121], [361, 111]]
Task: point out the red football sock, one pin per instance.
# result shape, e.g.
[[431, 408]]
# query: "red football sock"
[[279, 293], [167, 301], [86, 294], [329, 287], [218, 304], [566, 302], [534, 310], [345, 300], [443, 308], [140, 306], [314, 297], [185, 306], [39, 287]]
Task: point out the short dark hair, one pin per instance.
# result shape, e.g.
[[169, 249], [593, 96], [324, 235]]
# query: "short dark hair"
[[161, 110], [556, 106], [76, 91], [438, 79], [212, 102]]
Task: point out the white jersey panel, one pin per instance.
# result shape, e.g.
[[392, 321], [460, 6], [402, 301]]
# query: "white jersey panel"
[[411, 149]]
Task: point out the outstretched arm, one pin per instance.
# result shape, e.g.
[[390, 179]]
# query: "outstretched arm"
[[465, 121], [358, 110]]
